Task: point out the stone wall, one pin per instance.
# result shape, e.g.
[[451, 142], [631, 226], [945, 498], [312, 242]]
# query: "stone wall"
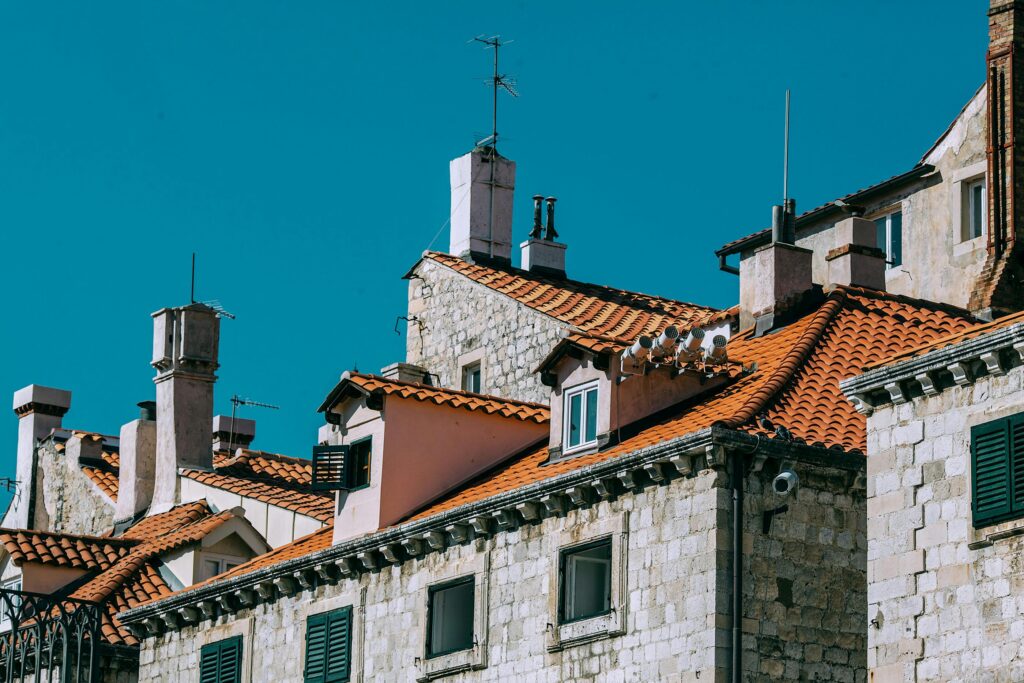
[[66, 499], [802, 615], [943, 598], [457, 317]]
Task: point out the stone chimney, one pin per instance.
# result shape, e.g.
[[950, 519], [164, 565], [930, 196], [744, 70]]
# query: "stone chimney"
[[856, 260], [230, 434], [1000, 287], [541, 253], [137, 472], [406, 372], [482, 183], [776, 277], [39, 410], [185, 342]]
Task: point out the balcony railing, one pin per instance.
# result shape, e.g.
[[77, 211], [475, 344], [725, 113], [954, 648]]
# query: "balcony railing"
[[49, 639]]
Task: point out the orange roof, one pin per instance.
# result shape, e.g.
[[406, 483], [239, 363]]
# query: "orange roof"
[[63, 550], [505, 407], [951, 339], [796, 385], [595, 309]]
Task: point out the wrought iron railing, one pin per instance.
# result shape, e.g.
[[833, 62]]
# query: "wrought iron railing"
[[49, 639]]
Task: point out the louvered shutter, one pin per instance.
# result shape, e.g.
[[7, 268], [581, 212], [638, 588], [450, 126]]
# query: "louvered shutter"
[[339, 640], [209, 661], [316, 648], [990, 460], [221, 662]]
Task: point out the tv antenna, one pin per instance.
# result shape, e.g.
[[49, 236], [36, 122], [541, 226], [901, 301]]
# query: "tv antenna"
[[785, 157], [498, 81], [192, 291], [237, 401], [216, 306]]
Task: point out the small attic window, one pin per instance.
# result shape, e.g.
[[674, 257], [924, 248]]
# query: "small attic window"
[[579, 418], [471, 377]]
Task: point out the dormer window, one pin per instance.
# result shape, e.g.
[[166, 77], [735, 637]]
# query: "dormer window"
[[212, 565], [580, 423]]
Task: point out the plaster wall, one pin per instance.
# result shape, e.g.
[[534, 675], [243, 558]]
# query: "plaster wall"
[[66, 499], [943, 598], [41, 578]]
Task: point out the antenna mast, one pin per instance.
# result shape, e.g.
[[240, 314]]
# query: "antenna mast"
[[497, 81], [236, 401], [785, 158], [192, 294]]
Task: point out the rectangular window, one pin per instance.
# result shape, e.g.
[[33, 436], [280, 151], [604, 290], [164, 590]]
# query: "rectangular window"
[[358, 465], [221, 662], [450, 617], [211, 565], [329, 646], [997, 469], [585, 575], [977, 210], [580, 418], [471, 377], [889, 237]]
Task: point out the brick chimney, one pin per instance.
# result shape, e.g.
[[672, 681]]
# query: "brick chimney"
[[541, 253], [1000, 287], [775, 278], [482, 184], [137, 472], [185, 342], [39, 410], [856, 260]]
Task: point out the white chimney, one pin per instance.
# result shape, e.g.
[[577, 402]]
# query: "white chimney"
[[137, 472], [541, 253], [405, 372], [230, 434], [482, 184], [856, 260], [185, 344], [39, 410]]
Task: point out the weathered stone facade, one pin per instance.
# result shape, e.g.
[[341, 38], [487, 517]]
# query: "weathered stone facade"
[[66, 500], [943, 598], [804, 596], [460, 321]]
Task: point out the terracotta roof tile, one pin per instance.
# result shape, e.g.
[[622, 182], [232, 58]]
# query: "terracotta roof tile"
[[951, 339], [520, 410], [63, 550], [595, 309]]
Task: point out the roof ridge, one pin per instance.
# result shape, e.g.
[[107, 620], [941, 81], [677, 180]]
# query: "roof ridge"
[[909, 300], [512, 270], [446, 390], [796, 357], [114, 540]]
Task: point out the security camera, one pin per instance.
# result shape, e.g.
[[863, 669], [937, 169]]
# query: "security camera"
[[785, 482]]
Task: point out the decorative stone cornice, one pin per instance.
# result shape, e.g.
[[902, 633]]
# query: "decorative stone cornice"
[[656, 465], [991, 354]]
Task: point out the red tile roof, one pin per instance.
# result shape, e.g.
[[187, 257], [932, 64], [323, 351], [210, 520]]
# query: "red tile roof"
[[595, 309], [492, 405], [63, 550]]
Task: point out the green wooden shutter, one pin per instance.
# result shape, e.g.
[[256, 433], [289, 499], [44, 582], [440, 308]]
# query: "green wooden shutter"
[[990, 460], [339, 642], [316, 648], [221, 662], [1016, 457]]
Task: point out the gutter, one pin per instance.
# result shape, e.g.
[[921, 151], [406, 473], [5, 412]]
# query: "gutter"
[[660, 463]]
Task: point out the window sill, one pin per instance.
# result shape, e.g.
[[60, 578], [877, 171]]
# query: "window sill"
[[970, 246], [989, 535], [585, 631], [451, 664]]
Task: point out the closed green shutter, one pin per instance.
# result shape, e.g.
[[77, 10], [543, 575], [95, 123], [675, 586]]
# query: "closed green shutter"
[[221, 662], [328, 646], [990, 460]]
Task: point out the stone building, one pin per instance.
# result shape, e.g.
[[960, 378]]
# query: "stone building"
[[570, 481]]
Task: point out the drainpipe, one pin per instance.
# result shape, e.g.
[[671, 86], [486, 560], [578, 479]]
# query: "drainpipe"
[[737, 565]]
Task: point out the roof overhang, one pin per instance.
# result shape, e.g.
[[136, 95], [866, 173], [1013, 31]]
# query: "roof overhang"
[[763, 237], [345, 388]]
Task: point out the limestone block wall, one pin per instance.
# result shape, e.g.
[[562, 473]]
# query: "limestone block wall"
[[943, 598], [66, 500], [458, 319], [805, 585]]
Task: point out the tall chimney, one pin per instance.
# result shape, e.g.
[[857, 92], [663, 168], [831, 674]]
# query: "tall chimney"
[[1000, 287], [185, 342], [775, 277], [39, 410], [137, 472], [482, 184]]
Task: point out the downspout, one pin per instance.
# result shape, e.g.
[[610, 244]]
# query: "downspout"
[[725, 267], [736, 483]]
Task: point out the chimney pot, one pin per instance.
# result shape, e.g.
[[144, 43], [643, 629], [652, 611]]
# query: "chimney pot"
[[538, 227], [481, 210], [147, 410], [551, 234]]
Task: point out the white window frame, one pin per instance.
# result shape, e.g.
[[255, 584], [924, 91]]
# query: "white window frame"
[[222, 560], [568, 394], [467, 370], [467, 361], [968, 226], [13, 584], [887, 247]]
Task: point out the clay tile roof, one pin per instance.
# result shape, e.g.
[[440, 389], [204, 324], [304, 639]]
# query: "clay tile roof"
[[63, 550], [796, 385], [951, 339], [590, 308], [520, 410]]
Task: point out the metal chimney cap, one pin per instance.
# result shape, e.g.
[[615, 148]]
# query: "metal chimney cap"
[[147, 410]]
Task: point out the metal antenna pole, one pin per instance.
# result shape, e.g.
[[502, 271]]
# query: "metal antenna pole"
[[236, 401], [192, 294], [785, 157]]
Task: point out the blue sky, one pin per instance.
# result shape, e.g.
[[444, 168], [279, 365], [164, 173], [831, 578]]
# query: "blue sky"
[[301, 149]]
